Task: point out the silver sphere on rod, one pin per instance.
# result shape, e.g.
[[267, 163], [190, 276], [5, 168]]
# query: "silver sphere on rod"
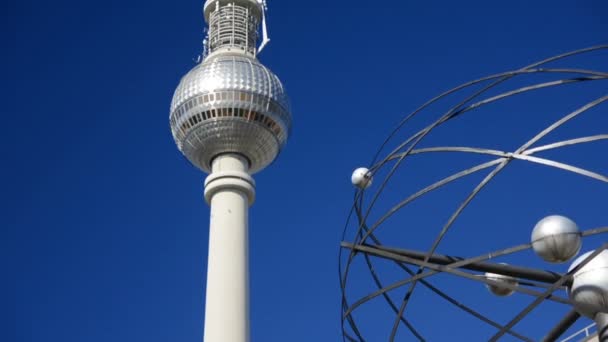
[[556, 239], [589, 289], [497, 289], [361, 178]]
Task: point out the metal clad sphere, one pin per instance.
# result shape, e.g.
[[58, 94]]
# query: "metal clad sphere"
[[361, 178], [589, 289], [230, 104], [498, 290], [556, 239]]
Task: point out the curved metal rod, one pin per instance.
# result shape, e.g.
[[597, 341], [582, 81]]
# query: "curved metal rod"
[[564, 143], [593, 76], [443, 232], [563, 166], [462, 263], [497, 98], [476, 314], [573, 70], [343, 278], [465, 149], [390, 301], [430, 188], [523, 156], [595, 231], [571, 317], [506, 76], [497, 153], [562, 121], [379, 285]]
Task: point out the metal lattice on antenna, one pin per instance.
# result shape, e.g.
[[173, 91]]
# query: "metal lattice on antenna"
[[579, 291]]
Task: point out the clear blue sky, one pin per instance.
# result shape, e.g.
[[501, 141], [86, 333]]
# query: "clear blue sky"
[[104, 229]]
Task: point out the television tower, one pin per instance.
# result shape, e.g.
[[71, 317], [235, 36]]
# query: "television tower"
[[230, 117]]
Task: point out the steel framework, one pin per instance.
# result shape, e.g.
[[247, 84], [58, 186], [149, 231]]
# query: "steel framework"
[[419, 266]]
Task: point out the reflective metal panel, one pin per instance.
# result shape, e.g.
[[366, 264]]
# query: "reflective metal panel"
[[230, 103]]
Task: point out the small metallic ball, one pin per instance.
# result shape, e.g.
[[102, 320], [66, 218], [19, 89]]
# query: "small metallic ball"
[[589, 289], [497, 289], [556, 239], [361, 178]]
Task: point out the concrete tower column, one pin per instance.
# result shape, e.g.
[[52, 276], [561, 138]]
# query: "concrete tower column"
[[230, 191], [230, 117]]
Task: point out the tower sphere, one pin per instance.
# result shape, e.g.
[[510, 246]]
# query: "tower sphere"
[[589, 289], [230, 103], [498, 290], [361, 178], [556, 239]]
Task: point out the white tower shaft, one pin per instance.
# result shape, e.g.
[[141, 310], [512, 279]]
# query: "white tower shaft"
[[230, 191], [230, 117]]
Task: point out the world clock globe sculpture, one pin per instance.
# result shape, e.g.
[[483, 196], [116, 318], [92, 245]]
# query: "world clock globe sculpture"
[[425, 249], [230, 117]]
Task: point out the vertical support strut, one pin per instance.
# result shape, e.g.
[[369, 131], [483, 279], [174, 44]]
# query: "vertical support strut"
[[566, 322], [230, 191], [601, 319]]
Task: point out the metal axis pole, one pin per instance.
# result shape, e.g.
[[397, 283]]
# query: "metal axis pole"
[[229, 190], [566, 322], [507, 270], [601, 319]]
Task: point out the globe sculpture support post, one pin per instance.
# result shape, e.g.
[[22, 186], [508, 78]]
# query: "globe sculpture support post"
[[230, 117], [601, 319]]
